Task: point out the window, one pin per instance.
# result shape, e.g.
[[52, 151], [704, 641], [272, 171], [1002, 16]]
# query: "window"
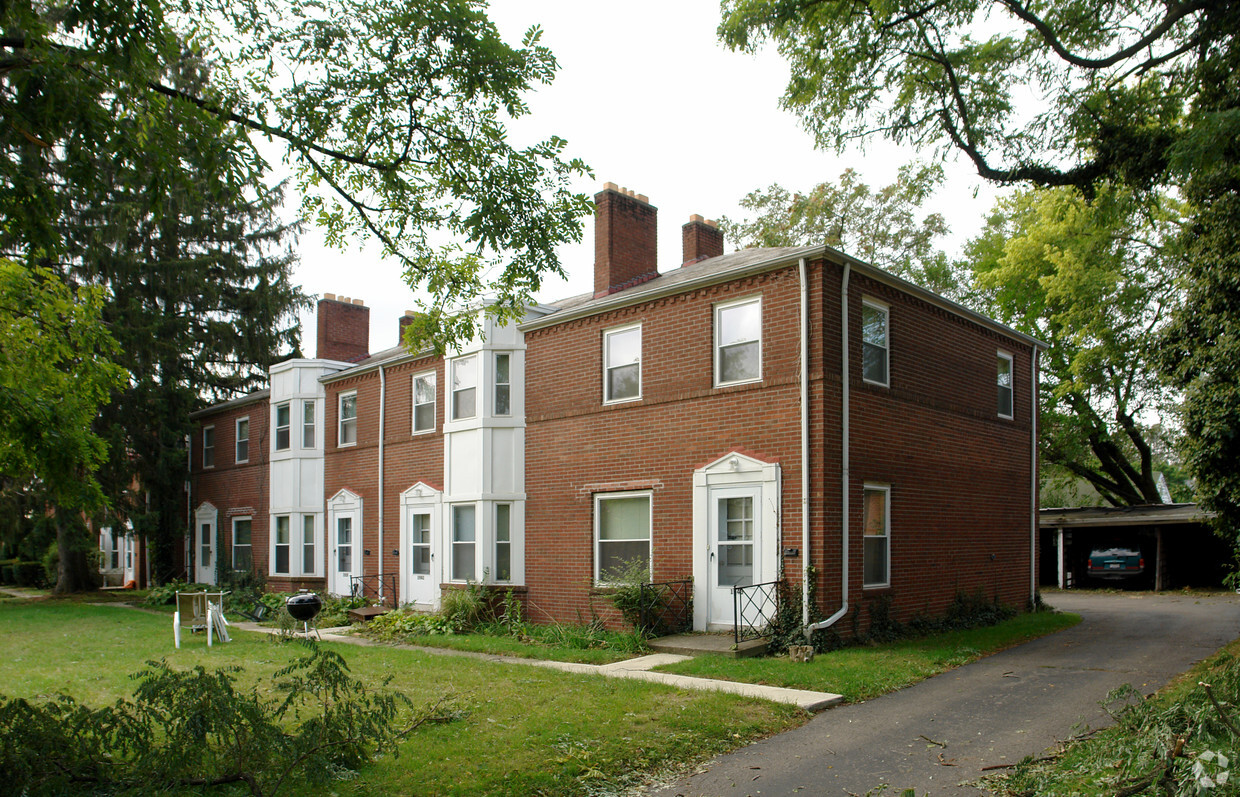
[[736, 525], [206, 532], [424, 403], [503, 542], [243, 440], [503, 386], [344, 544], [208, 446], [738, 342], [243, 551], [307, 424], [282, 544], [348, 419], [422, 544], [622, 364], [463, 536], [874, 342], [283, 421], [308, 563], [464, 388], [116, 551], [1005, 385], [622, 535], [877, 549]]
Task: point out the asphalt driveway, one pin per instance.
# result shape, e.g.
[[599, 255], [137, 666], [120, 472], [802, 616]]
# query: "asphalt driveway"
[[938, 735]]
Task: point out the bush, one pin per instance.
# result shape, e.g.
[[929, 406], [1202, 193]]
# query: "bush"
[[196, 728], [29, 574], [7, 576], [465, 609], [51, 563], [639, 607]]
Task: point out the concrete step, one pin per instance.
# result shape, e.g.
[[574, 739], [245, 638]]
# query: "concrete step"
[[717, 644]]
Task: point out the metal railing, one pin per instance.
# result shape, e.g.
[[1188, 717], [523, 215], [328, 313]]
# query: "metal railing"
[[369, 587], [667, 607], [756, 607]]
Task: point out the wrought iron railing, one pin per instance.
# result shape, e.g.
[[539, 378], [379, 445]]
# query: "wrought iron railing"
[[373, 586], [667, 607], [756, 607]]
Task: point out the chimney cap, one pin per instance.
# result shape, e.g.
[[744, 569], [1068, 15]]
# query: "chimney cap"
[[696, 217], [410, 314], [331, 297], [359, 302]]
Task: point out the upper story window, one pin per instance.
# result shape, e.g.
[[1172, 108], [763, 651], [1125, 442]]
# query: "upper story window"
[[874, 346], [243, 440], [622, 536], [1005, 384], [464, 388], [503, 385], [738, 342], [283, 421], [424, 402], [307, 424], [347, 434], [622, 364], [208, 446]]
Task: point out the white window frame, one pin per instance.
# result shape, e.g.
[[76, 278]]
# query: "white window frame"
[[208, 449], [238, 440], [287, 428], [342, 421], [434, 402], [506, 543], [885, 309], [313, 545], [885, 489], [507, 386], [469, 362], [453, 542], [276, 544], [608, 366], [1010, 387], [717, 348], [249, 519], [599, 498], [310, 426]]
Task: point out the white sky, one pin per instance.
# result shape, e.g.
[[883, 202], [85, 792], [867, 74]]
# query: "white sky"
[[649, 99]]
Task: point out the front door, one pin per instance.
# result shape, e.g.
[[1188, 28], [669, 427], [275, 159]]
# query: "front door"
[[423, 587], [344, 560], [735, 550], [205, 564]]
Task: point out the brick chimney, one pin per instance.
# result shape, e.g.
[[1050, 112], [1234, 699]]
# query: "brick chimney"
[[702, 239], [625, 240], [344, 328], [405, 321]]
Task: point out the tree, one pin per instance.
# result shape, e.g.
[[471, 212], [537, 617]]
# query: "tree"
[[55, 372], [1095, 280], [391, 116], [878, 226]]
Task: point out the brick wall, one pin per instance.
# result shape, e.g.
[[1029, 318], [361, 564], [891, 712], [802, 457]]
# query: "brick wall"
[[343, 330]]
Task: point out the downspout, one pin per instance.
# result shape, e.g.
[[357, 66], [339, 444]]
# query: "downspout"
[[382, 416], [844, 466], [805, 557], [1033, 478], [189, 507]]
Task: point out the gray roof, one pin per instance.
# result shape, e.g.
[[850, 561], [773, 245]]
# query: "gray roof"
[[1144, 515], [248, 398]]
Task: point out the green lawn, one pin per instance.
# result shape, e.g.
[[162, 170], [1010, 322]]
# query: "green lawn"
[[523, 730], [861, 673]]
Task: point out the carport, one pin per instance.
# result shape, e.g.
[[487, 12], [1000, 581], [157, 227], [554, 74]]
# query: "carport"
[[1176, 537]]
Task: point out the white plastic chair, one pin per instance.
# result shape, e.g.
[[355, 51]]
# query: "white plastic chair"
[[200, 611]]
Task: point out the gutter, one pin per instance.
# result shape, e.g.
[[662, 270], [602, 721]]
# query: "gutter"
[[844, 471]]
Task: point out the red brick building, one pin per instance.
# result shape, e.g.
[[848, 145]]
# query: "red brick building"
[[725, 421]]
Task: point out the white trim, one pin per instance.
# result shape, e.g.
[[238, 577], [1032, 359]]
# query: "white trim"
[[340, 419], [598, 499], [450, 412], [1011, 361], [885, 489], [715, 344], [885, 309], [233, 546], [607, 366], [345, 503], [312, 405], [420, 496], [237, 440], [206, 515], [275, 544], [496, 384], [413, 401], [287, 406], [512, 506], [206, 448], [479, 535]]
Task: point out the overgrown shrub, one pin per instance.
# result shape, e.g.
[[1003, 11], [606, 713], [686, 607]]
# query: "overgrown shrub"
[[7, 575], [51, 563], [29, 574], [465, 609], [198, 729], [166, 594]]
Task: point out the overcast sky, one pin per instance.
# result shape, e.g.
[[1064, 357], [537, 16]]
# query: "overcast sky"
[[651, 101]]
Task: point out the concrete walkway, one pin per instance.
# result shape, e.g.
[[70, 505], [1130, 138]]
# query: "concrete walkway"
[[639, 669]]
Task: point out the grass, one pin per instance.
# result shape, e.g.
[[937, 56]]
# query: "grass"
[[522, 730], [862, 673], [516, 648]]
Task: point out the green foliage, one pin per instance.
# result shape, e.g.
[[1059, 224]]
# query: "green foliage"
[[635, 604], [1094, 280], [1183, 741], [464, 609], [29, 574], [880, 226], [196, 728]]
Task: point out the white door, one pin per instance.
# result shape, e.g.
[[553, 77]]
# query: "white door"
[[204, 553], [423, 584], [734, 539], [345, 563]]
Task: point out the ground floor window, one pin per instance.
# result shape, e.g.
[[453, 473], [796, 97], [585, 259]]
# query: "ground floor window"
[[621, 536], [464, 542], [282, 545], [877, 532], [243, 550]]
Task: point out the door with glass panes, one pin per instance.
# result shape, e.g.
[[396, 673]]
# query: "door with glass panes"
[[344, 562], [734, 550], [421, 559]]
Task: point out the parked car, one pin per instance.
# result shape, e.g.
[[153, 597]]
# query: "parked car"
[[1115, 563]]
